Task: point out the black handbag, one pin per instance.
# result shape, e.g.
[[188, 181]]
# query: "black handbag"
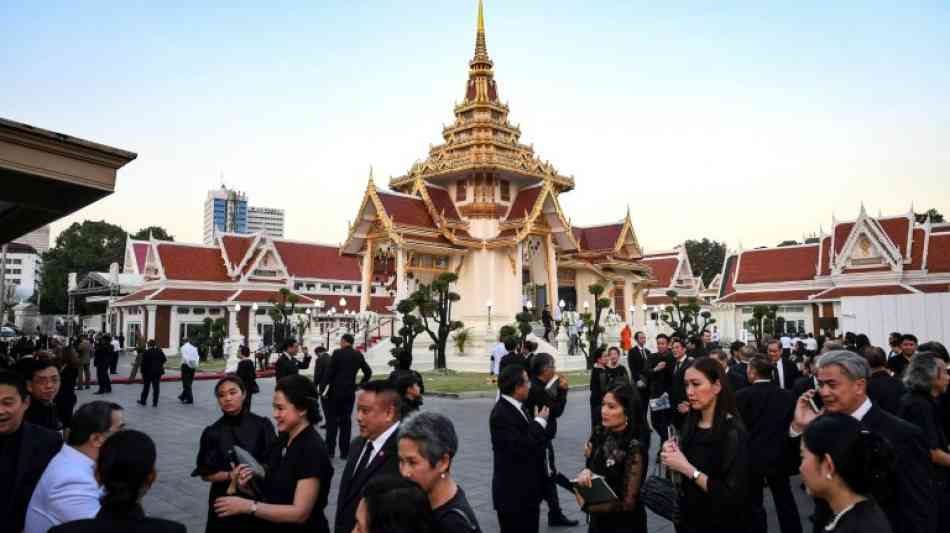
[[660, 494]]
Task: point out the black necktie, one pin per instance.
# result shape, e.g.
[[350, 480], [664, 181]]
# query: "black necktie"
[[367, 451], [775, 377]]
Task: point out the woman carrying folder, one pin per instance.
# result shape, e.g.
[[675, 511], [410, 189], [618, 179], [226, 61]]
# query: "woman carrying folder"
[[614, 453]]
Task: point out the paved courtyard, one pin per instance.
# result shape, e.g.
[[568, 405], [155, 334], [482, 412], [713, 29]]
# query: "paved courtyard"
[[176, 429]]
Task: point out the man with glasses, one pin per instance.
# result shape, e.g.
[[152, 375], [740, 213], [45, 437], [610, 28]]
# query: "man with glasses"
[[43, 385]]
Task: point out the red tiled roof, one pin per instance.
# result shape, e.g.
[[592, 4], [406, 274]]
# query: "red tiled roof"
[[266, 296], [192, 263], [136, 296], [917, 250], [524, 203], [443, 202], [940, 229], [659, 300], [317, 261], [599, 237], [236, 248], [406, 210], [768, 296], [140, 249], [825, 259], [841, 235], [727, 286], [933, 287], [379, 304], [193, 295], [896, 229], [938, 254], [663, 269], [876, 290], [790, 263]]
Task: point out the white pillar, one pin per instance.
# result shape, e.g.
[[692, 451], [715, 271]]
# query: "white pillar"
[[367, 275], [173, 337], [401, 292], [151, 321], [551, 271], [253, 339], [234, 340]]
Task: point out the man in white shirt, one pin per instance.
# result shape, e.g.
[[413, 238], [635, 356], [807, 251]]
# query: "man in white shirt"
[[189, 364], [497, 353], [811, 344], [786, 344], [68, 489]]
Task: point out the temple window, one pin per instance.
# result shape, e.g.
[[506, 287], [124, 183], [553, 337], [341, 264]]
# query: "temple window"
[[461, 188], [505, 191]]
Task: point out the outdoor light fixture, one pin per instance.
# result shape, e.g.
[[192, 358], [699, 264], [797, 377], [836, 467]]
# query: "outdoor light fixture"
[[237, 308], [586, 306], [342, 301], [529, 305], [561, 304], [333, 310], [254, 308]]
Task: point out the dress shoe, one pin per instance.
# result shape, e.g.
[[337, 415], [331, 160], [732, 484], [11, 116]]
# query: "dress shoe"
[[559, 520], [99, 392], [140, 402]]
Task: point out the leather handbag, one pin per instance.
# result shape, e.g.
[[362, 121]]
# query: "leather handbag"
[[660, 494]]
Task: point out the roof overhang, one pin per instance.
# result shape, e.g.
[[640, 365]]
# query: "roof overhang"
[[53, 175]]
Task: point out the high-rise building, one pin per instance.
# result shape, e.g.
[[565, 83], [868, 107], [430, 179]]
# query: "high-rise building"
[[267, 220], [225, 211], [22, 273], [38, 239]]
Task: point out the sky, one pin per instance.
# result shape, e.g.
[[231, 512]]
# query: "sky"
[[745, 122]]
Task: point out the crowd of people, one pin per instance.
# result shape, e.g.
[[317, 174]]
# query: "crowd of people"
[[865, 427]]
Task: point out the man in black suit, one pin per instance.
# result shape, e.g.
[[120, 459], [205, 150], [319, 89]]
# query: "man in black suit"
[[678, 386], [843, 377], [766, 411], [637, 359], [152, 367], [519, 443], [658, 372], [320, 367], [550, 390], [101, 359], [883, 389], [737, 368], [25, 451], [548, 321], [287, 364], [899, 362], [514, 355], [339, 386], [374, 453], [785, 373]]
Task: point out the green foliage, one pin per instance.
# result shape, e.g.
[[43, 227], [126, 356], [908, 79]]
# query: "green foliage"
[[210, 338], [433, 304], [524, 324], [81, 248], [156, 232], [411, 328], [935, 216], [592, 320], [684, 318], [763, 321], [788, 243], [281, 312], [706, 257]]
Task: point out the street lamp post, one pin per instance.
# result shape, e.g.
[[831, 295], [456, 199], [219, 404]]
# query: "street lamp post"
[[488, 304]]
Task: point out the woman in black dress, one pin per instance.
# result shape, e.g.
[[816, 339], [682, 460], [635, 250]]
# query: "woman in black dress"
[[68, 374], [427, 445], [393, 504], [245, 370], [712, 456], [614, 452], [845, 465], [292, 496], [236, 427]]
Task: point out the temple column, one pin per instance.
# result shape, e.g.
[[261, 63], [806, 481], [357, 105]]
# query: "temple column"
[[174, 340], [401, 292], [253, 338], [551, 271], [234, 339], [152, 311], [367, 278]]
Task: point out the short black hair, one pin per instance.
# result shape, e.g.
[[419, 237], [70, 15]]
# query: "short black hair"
[[510, 377], [92, 417], [290, 341], [762, 367], [511, 343], [348, 338], [677, 340], [15, 380], [38, 365], [395, 504], [937, 348], [385, 389], [736, 346], [663, 336], [875, 356], [908, 337]]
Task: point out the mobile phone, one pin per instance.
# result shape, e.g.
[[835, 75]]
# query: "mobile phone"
[[814, 407]]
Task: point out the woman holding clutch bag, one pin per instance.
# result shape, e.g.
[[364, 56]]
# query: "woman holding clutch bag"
[[293, 494], [711, 456], [614, 453], [236, 427]]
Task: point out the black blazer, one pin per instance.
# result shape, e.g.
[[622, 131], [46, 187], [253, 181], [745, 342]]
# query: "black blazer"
[[320, 367], [738, 376], [37, 447], [518, 464], [341, 373], [766, 410], [885, 391], [153, 363], [792, 374], [386, 462], [678, 389], [637, 359], [106, 523], [910, 508], [554, 399], [102, 355], [659, 381]]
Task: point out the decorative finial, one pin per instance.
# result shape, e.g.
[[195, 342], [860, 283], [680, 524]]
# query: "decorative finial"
[[371, 174], [864, 212], [481, 49]]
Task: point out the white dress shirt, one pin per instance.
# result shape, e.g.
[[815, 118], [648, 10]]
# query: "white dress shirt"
[[189, 355], [66, 491], [779, 367], [520, 408], [378, 444], [498, 352]]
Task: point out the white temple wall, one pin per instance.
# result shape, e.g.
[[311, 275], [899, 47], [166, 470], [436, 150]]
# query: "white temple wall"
[[925, 315]]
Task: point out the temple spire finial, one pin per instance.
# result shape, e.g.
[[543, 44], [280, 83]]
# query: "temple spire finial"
[[481, 49]]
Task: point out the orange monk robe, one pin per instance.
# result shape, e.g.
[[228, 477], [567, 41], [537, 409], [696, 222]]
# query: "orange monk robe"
[[626, 338]]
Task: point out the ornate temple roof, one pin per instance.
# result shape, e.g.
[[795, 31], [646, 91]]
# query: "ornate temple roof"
[[481, 137]]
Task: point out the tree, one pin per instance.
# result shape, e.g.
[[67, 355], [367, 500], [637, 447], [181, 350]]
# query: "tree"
[[592, 321], [706, 257], [932, 213], [788, 243], [282, 310], [82, 248], [157, 232], [434, 302], [411, 328], [762, 323], [684, 318]]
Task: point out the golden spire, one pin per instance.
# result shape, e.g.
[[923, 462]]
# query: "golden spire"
[[481, 49]]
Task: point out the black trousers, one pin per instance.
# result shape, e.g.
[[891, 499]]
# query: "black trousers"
[[187, 377], [661, 420], [153, 383], [523, 521], [102, 376], [547, 332], [114, 362], [550, 484], [788, 518], [340, 420]]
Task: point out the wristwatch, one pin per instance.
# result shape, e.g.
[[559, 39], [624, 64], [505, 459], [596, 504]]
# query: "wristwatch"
[[253, 508], [696, 474]]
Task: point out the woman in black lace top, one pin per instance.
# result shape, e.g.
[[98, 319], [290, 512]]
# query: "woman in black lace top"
[[614, 452]]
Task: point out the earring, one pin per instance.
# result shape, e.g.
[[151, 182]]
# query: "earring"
[[442, 475], [828, 476]]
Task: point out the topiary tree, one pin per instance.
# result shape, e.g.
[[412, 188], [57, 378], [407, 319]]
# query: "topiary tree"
[[281, 312], [684, 318], [524, 325], [434, 304], [762, 322], [592, 321], [411, 328]]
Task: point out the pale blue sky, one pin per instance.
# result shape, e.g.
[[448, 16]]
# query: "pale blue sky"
[[739, 121]]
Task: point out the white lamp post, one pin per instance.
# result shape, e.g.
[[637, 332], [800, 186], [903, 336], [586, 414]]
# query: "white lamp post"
[[488, 305]]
